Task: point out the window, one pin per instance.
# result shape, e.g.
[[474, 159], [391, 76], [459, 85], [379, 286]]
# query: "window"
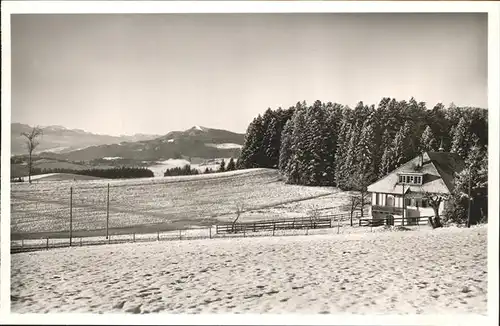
[[410, 179]]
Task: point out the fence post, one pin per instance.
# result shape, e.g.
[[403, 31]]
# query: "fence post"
[[158, 236], [133, 237], [109, 240], [210, 232], [180, 235], [70, 215], [47, 243], [80, 241], [338, 225], [244, 231], [22, 243], [216, 228], [107, 215], [274, 227]]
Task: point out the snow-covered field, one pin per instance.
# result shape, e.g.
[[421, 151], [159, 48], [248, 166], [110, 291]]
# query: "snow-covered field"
[[187, 200], [421, 271]]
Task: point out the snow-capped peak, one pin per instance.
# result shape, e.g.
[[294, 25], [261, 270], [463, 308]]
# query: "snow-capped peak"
[[54, 128]]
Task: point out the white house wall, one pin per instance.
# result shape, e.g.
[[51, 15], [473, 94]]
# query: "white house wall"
[[411, 211]]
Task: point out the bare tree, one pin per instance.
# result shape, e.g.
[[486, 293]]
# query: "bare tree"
[[435, 200], [239, 209], [354, 205], [313, 216], [31, 144], [359, 183]]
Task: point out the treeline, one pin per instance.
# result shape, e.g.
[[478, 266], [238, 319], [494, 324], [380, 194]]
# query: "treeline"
[[112, 173], [187, 170], [332, 144]]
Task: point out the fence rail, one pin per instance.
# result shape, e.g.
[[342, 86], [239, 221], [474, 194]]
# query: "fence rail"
[[327, 221]]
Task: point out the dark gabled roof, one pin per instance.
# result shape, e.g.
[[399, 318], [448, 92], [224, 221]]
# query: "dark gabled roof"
[[447, 164], [438, 169]]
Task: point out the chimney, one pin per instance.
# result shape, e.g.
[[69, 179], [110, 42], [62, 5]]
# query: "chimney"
[[441, 148], [421, 159]]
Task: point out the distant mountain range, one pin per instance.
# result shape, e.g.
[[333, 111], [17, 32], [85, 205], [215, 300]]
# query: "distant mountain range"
[[77, 145], [58, 139]]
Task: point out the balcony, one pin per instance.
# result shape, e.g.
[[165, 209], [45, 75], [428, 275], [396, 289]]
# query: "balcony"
[[388, 209]]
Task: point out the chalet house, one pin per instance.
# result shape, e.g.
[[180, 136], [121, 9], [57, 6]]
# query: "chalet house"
[[402, 190]]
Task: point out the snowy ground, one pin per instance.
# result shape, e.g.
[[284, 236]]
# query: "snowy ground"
[[421, 271], [184, 201]]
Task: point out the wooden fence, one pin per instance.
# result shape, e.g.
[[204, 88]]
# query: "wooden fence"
[[326, 221], [407, 221]]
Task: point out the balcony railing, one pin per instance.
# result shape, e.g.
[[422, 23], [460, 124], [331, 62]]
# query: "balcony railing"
[[388, 209]]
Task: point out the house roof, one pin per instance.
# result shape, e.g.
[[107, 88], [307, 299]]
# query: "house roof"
[[438, 169]]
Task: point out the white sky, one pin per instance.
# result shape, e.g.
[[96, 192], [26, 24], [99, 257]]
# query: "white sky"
[[126, 74]]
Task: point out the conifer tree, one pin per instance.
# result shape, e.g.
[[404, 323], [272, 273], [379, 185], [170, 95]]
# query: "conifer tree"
[[222, 166], [271, 144], [401, 152], [314, 155], [342, 167], [364, 152], [460, 142], [386, 159], [251, 151], [475, 176], [231, 165], [298, 148], [285, 147], [428, 142], [330, 138]]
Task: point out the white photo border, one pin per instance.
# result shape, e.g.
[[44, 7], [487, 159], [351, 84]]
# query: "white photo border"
[[86, 7]]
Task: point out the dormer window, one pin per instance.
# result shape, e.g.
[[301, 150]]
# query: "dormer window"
[[410, 179]]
